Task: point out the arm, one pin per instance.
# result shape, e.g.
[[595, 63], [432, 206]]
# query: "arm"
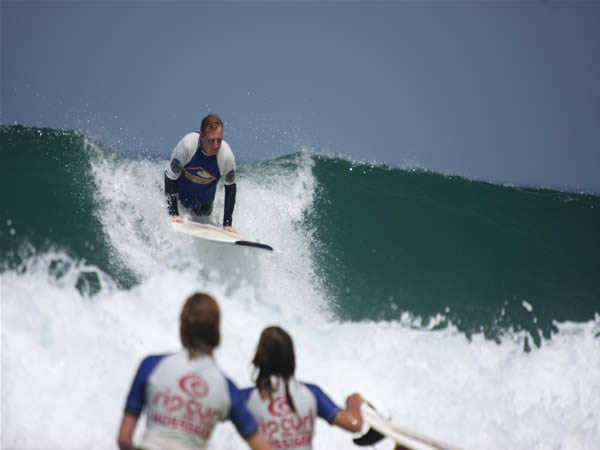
[[125, 439], [350, 419], [230, 193], [171, 194], [242, 418], [182, 154], [134, 404], [257, 442], [226, 162]]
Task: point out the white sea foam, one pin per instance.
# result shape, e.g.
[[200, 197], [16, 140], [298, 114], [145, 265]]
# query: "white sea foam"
[[68, 359], [269, 208]]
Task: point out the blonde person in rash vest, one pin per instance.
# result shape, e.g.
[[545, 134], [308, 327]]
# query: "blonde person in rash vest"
[[285, 408], [199, 160], [185, 394]]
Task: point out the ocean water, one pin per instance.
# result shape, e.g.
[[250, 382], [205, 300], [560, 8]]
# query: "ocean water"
[[466, 310]]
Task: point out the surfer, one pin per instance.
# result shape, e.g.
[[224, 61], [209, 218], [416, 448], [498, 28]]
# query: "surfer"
[[198, 162], [184, 393], [286, 408]]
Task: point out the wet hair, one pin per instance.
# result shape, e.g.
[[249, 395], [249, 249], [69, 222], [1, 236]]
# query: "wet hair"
[[199, 323], [212, 121], [274, 356]]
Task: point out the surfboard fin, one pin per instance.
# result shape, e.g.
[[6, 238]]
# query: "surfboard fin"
[[254, 244], [371, 437], [381, 426]]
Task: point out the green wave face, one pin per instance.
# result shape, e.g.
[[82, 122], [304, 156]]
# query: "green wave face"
[[385, 242]]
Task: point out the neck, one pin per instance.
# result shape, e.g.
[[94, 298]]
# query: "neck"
[[198, 352]]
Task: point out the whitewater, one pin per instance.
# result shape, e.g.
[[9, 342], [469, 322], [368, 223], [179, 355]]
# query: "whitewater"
[[69, 351]]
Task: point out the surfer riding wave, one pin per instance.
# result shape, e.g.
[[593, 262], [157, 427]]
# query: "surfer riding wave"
[[198, 162]]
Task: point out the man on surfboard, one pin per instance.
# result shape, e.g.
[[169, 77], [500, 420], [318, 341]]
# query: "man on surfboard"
[[198, 162]]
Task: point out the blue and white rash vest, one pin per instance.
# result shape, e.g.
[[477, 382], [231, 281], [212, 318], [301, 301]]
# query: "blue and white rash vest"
[[278, 424], [197, 173], [184, 399]]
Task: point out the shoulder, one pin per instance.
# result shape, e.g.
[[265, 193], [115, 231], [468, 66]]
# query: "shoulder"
[[307, 390], [191, 138], [313, 388], [187, 145], [189, 142], [150, 362], [326, 408], [137, 393], [183, 152], [225, 151], [226, 162]]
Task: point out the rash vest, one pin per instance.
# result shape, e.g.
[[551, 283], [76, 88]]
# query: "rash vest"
[[278, 424], [197, 173], [184, 399]]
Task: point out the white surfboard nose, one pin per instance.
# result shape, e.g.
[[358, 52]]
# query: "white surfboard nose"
[[215, 234]]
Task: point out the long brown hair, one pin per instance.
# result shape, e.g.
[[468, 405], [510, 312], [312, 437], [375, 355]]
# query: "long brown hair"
[[274, 356], [199, 328]]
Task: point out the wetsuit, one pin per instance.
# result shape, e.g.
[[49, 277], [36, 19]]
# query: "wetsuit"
[[278, 424], [184, 399], [192, 177]]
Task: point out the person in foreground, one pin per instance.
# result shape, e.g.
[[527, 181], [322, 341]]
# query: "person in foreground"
[[198, 162], [286, 408], [185, 394]]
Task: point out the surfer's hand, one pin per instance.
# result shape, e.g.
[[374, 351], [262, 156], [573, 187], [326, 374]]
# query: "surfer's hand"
[[230, 229], [176, 219], [350, 418], [353, 401]]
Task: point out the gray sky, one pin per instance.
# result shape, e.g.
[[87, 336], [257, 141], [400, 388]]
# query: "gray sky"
[[505, 91]]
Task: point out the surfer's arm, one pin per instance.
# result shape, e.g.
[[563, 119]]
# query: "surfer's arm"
[[171, 194], [135, 402], [350, 418], [182, 154], [226, 162], [230, 192], [257, 442], [125, 439]]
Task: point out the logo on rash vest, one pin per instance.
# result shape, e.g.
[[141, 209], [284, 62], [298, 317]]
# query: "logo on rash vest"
[[194, 386], [287, 430], [230, 177], [198, 175], [176, 166], [279, 407], [186, 410]]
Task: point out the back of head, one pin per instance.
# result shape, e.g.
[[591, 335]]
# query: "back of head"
[[210, 122], [275, 353], [274, 356], [199, 323]]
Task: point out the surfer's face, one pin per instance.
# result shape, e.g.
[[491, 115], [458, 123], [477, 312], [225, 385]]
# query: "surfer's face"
[[211, 140]]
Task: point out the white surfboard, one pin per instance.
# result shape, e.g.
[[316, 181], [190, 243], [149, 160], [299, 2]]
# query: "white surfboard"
[[215, 234], [381, 427]]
